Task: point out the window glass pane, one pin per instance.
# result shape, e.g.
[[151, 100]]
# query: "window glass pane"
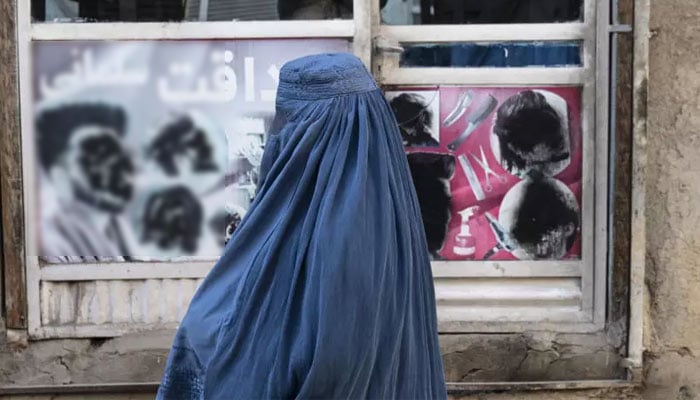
[[416, 12], [550, 54], [187, 10], [150, 150], [497, 170]]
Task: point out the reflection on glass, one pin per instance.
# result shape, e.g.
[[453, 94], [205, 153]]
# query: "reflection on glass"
[[187, 10], [416, 12], [526, 54], [228, 10]]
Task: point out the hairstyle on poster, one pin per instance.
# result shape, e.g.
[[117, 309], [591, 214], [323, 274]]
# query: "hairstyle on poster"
[[102, 152], [172, 218], [80, 146], [56, 125], [531, 134], [232, 226], [180, 137], [415, 120], [235, 216], [220, 224], [542, 216], [431, 173]]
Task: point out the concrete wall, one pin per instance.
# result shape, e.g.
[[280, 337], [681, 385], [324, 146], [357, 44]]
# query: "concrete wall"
[[673, 206], [672, 363]]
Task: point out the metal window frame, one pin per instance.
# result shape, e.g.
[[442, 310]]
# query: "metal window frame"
[[592, 77], [366, 32], [30, 32], [191, 30]]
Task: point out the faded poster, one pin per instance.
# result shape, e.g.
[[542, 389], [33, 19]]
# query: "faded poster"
[[148, 150], [497, 170]]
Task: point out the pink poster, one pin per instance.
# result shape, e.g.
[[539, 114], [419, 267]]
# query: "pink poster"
[[497, 170]]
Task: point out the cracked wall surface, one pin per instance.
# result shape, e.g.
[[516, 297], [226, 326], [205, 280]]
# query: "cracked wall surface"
[[468, 358], [131, 358], [537, 356]]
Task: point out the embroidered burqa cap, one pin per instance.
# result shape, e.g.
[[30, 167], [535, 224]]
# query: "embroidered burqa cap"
[[325, 289]]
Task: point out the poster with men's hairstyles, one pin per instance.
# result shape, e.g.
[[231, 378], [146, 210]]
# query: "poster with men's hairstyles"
[[497, 170], [149, 150]]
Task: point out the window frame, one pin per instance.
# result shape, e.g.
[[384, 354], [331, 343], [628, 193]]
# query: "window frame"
[[592, 77], [368, 36], [28, 33]]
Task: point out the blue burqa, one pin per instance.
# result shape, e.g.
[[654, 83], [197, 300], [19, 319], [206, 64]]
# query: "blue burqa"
[[325, 289]]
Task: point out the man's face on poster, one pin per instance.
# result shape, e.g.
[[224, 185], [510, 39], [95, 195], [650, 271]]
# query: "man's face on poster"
[[99, 168]]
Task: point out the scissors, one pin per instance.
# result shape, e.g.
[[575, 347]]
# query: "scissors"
[[487, 170]]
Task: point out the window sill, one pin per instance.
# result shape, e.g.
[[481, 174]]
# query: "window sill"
[[454, 389]]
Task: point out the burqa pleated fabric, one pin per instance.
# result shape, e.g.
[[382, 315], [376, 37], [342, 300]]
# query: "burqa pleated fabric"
[[325, 289]]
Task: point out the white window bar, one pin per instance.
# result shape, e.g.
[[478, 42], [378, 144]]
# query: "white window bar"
[[602, 132], [393, 75], [199, 269], [28, 166], [363, 23], [193, 30], [485, 32]]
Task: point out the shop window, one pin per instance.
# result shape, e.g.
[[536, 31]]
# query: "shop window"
[[508, 122], [142, 146], [142, 143], [143, 123]]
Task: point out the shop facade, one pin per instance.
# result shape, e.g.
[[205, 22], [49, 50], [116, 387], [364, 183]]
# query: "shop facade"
[[129, 112]]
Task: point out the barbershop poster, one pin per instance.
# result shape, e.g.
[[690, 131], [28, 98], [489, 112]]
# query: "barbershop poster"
[[148, 150], [497, 170]]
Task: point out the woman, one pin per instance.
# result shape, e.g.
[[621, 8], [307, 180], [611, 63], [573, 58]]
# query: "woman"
[[325, 290]]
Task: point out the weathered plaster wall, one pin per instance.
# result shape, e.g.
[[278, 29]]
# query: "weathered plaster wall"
[[534, 356], [673, 205], [140, 358], [131, 358]]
